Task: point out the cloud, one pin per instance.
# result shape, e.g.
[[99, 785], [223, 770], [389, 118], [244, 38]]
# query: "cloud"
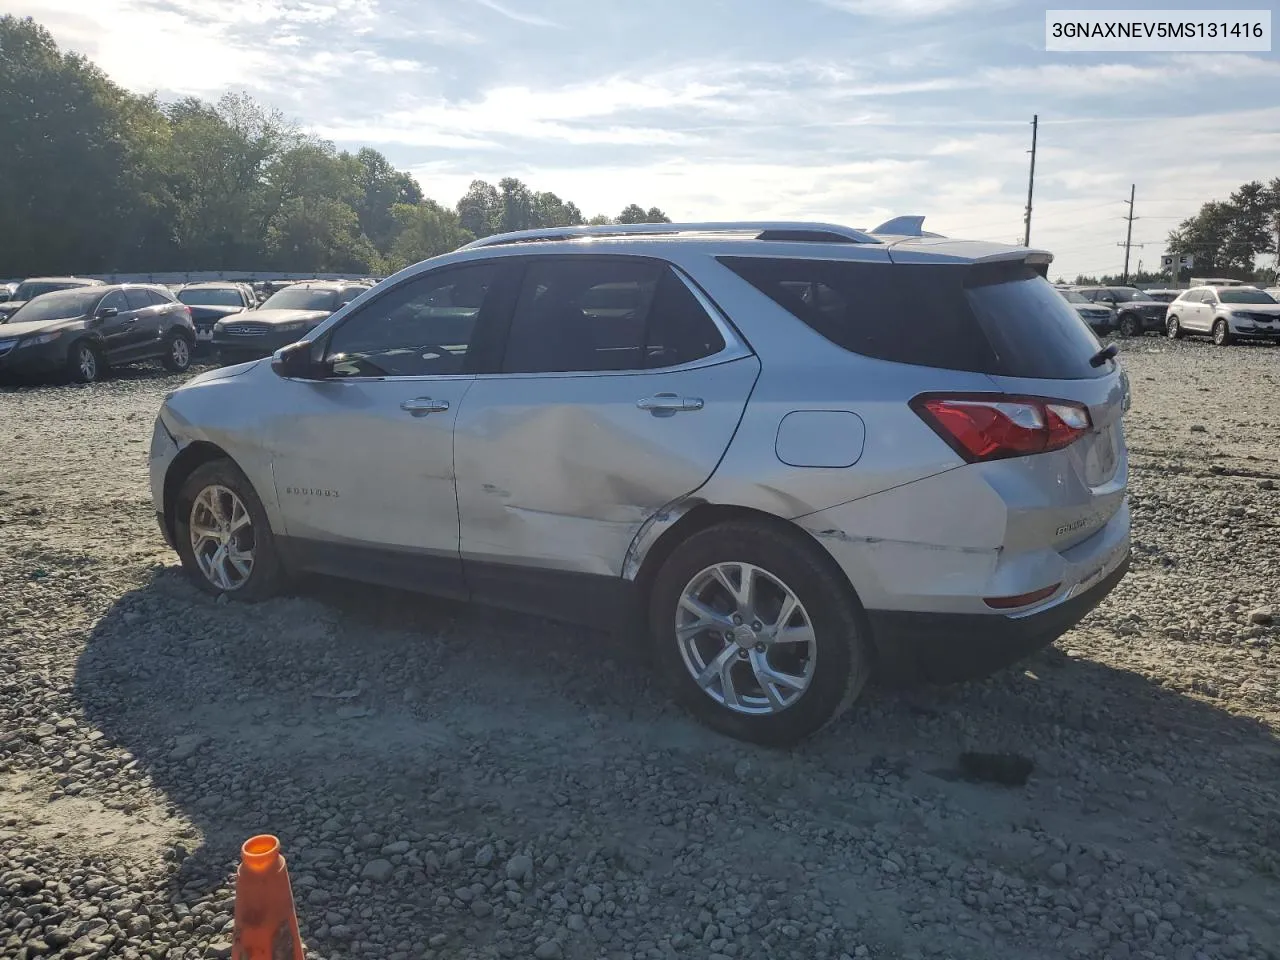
[[529, 19], [909, 9]]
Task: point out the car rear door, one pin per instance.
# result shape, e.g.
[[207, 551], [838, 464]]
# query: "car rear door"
[[618, 391]]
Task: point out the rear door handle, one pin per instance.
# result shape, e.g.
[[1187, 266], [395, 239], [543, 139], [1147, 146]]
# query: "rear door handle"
[[421, 406], [667, 404]]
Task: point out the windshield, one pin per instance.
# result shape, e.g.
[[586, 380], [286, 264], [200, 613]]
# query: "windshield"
[[1245, 295], [302, 298], [1123, 294], [57, 306], [211, 297], [1072, 297], [29, 290]]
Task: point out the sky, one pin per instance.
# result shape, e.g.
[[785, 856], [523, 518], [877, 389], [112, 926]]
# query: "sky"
[[846, 111]]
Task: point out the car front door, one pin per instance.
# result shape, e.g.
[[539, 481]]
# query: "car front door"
[[363, 459], [114, 323], [1208, 310], [619, 390]]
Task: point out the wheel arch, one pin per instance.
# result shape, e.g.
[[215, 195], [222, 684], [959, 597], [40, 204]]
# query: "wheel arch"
[[644, 561], [192, 456]]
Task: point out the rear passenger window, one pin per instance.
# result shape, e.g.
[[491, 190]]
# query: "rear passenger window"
[[592, 315], [138, 299], [999, 318]]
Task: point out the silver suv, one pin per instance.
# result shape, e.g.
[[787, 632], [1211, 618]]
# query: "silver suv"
[[798, 454]]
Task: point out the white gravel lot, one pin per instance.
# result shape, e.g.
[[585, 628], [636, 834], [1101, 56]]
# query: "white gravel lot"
[[449, 782]]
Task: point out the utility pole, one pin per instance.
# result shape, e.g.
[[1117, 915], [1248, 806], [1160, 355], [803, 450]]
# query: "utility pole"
[[1031, 180], [1128, 237]]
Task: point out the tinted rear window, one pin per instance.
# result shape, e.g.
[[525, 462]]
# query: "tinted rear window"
[[1003, 319]]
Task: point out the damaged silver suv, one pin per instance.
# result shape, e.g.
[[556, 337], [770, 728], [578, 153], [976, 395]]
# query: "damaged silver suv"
[[798, 454]]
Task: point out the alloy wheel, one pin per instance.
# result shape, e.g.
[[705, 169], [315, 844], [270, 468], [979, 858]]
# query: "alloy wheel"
[[222, 537], [746, 638], [179, 352], [88, 363]]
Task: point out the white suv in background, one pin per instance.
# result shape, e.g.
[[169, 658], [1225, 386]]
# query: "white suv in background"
[[795, 454], [1225, 313]]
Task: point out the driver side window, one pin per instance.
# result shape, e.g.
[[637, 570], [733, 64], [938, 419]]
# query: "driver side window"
[[423, 327], [114, 299]]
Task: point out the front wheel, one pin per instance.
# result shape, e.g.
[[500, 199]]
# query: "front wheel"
[[1222, 333], [1130, 326], [177, 354], [83, 363], [757, 633], [223, 536], [1172, 328]]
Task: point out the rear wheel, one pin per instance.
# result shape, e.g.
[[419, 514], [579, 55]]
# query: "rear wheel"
[[1222, 333], [223, 536], [1130, 326], [84, 365], [1172, 328], [757, 634], [177, 353]]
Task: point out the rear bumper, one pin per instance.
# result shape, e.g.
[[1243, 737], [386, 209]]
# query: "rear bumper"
[[949, 647]]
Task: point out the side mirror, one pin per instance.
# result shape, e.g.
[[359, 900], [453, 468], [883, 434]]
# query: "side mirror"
[[297, 362], [106, 313]]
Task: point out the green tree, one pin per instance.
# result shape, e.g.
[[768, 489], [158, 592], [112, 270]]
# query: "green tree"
[[634, 213], [1227, 237], [480, 209], [424, 230], [382, 189]]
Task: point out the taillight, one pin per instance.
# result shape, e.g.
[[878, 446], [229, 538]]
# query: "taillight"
[[995, 426]]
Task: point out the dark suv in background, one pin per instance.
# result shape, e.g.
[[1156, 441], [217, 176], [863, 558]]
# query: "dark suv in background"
[[287, 315], [80, 333], [213, 301], [1136, 312]]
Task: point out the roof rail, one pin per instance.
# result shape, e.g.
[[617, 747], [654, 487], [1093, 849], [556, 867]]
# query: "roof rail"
[[764, 230], [911, 225]]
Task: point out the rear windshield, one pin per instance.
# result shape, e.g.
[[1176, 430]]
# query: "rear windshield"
[[1001, 319], [61, 305], [211, 297]]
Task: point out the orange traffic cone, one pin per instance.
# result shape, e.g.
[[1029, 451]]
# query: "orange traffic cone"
[[266, 926]]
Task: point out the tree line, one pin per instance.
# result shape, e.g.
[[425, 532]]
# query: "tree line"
[[95, 179], [1227, 237]]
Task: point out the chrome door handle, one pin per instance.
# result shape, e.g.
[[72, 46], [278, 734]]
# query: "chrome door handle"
[[421, 406], [667, 404]]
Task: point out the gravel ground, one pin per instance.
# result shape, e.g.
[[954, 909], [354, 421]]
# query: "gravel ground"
[[454, 782]]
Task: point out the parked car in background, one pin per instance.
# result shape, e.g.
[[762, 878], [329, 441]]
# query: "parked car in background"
[[1163, 294], [1274, 293], [1099, 317], [7, 290], [1225, 313], [80, 333], [213, 301], [795, 459], [285, 316], [1136, 313], [36, 286]]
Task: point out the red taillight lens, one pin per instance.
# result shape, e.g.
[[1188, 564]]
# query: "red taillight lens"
[[1022, 599], [996, 426]]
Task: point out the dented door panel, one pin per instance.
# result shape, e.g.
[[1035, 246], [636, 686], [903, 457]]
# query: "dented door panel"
[[562, 470]]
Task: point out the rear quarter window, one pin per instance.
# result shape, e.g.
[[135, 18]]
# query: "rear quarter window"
[[1001, 319]]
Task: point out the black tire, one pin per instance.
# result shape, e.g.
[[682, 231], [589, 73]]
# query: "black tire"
[[1172, 328], [1222, 333], [1129, 325], [842, 661], [84, 363], [266, 574], [177, 353]]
